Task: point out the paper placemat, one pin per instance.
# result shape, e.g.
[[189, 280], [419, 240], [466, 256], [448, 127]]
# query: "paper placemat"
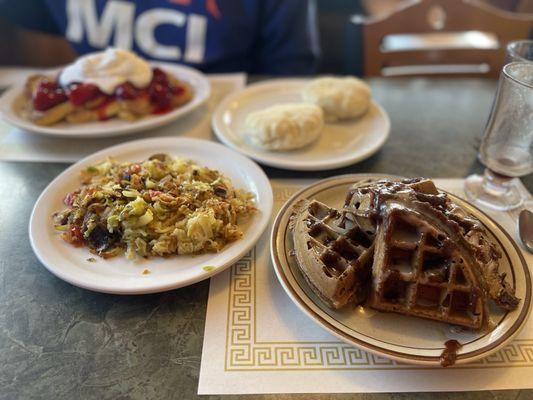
[[257, 341], [18, 145]]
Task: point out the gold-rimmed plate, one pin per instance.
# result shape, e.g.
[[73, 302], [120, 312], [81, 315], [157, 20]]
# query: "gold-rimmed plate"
[[402, 338], [119, 275]]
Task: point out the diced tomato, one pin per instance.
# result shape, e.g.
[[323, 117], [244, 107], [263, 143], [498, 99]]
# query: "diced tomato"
[[135, 169], [76, 235]]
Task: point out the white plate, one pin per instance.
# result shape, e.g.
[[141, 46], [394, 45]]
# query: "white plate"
[[120, 275], [114, 126], [402, 338], [340, 144]]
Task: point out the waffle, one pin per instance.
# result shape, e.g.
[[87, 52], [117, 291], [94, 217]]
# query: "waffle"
[[420, 196], [333, 252], [419, 271], [401, 246]]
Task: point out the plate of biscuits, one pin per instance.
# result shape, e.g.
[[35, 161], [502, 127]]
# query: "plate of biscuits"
[[303, 124], [402, 269]]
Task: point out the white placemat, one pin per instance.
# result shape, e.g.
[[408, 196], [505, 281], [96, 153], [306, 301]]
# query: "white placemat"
[[18, 145], [257, 341]]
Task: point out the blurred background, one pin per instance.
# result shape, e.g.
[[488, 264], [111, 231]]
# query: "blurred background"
[[360, 37]]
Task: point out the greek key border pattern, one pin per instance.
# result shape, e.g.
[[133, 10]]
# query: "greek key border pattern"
[[244, 352]]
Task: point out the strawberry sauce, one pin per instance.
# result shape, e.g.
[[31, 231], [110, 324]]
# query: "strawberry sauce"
[[160, 92], [47, 95]]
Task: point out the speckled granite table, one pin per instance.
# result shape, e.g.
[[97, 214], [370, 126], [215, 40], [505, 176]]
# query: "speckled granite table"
[[61, 342]]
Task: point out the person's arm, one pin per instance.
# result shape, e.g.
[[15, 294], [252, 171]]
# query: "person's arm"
[[288, 39], [28, 35]]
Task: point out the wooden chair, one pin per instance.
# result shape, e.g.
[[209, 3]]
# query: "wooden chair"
[[441, 37]]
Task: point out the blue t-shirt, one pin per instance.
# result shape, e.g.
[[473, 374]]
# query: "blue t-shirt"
[[261, 36]]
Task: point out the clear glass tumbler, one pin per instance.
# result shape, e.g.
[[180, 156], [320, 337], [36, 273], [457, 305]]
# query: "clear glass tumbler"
[[507, 146], [519, 50]]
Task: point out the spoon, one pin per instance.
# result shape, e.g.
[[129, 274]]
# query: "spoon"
[[525, 229]]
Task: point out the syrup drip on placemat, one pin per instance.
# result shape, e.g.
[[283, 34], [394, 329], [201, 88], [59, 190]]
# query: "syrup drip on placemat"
[[449, 354]]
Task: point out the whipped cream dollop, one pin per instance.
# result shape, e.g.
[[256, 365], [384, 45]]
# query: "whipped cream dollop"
[[107, 70]]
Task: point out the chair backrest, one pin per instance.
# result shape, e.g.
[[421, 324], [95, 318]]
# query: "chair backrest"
[[441, 37]]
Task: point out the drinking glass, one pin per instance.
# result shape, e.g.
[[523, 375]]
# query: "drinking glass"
[[519, 50], [506, 149]]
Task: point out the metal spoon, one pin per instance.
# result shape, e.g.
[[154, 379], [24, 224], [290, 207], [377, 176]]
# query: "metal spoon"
[[525, 229]]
